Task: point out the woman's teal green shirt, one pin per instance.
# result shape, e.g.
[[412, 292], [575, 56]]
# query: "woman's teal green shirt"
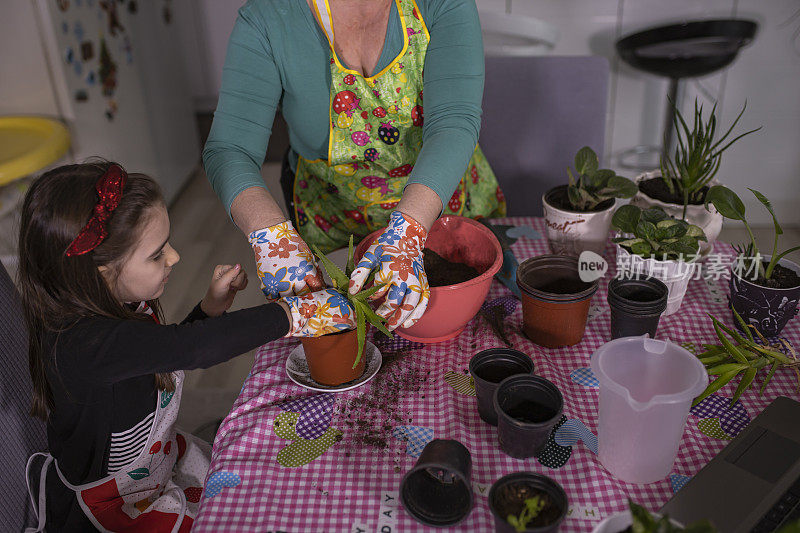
[[278, 56]]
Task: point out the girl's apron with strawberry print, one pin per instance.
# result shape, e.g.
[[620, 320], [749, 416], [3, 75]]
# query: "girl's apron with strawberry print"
[[159, 491], [374, 139]]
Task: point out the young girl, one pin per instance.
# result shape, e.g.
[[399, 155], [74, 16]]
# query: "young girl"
[[94, 258]]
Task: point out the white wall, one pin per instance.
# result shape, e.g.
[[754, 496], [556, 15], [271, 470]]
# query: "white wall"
[[766, 74], [25, 86]]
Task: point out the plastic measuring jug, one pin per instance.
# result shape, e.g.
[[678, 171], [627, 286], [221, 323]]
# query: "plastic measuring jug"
[[646, 389]]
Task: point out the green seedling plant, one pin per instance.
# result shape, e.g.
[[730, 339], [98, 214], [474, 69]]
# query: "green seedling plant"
[[653, 233], [741, 355], [595, 185], [697, 155], [533, 506], [359, 301], [731, 206], [644, 522]]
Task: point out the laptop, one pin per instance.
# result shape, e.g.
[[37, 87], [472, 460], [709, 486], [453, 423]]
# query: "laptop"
[[753, 485]]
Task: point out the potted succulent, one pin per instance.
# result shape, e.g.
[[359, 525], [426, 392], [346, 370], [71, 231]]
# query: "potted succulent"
[[680, 186], [336, 358], [737, 355], [525, 501], [578, 215], [637, 519], [764, 289], [654, 244]]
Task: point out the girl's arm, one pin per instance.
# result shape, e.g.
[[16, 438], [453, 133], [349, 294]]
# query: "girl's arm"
[[107, 350]]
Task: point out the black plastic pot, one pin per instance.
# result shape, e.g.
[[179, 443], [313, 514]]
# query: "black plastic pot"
[[636, 305], [767, 309], [527, 408], [488, 368], [438, 490], [537, 482]]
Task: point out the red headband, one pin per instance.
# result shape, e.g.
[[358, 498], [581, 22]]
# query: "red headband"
[[109, 189]]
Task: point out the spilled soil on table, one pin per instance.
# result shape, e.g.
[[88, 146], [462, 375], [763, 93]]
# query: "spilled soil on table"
[[370, 417]]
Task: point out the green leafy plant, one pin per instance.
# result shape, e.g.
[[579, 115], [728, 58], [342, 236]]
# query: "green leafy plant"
[[533, 506], [644, 522], [737, 354], [359, 301], [595, 185], [697, 155], [731, 206], [653, 233]]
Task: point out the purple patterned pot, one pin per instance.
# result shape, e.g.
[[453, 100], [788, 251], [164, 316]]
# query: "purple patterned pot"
[[767, 309]]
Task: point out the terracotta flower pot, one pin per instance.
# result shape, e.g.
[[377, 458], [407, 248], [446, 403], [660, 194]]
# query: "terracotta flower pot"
[[555, 302], [571, 232], [709, 221], [330, 358]]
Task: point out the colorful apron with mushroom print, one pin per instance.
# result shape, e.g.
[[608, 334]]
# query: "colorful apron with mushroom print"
[[159, 491], [374, 139]]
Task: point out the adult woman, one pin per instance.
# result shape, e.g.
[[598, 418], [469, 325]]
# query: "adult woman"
[[348, 75]]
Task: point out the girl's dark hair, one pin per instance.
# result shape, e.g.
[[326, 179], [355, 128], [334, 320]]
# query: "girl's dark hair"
[[57, 290]]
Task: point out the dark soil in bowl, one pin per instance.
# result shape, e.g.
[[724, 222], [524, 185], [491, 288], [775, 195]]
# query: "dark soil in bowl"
[[442, 272], [558, 198], [782, 278], [510, 500], [531, 412], [564, 286], [657, 189]]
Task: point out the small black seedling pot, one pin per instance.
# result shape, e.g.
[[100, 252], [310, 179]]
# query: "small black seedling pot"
[[636, 305], [438, 490], [488, 368], [527, 408], [507, 496]]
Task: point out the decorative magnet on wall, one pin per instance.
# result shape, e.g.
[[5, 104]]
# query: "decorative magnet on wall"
[[132, 7], [69, 55], [63, 5], [78, 31], [81, 95], [90, 78], [127, 49], [111, 110], [108, 70], [65, 27], [78, 67], [110, 7], [87, 50]]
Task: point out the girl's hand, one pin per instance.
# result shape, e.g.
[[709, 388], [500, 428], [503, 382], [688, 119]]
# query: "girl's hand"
[[396, 257], [226, 282], [286, 266], [318, 313]]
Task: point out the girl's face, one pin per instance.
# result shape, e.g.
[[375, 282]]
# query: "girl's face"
[[145, 271]]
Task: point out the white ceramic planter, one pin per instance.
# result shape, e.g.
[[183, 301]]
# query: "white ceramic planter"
[[709, 221], [675, 274], [572, 232]]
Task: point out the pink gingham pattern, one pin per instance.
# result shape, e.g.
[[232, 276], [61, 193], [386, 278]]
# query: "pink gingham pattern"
[[354, 488]]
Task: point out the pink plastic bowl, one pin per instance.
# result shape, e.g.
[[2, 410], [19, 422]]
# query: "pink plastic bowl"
[[460, 240]]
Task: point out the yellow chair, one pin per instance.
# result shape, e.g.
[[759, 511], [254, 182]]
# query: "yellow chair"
[[28, 145]]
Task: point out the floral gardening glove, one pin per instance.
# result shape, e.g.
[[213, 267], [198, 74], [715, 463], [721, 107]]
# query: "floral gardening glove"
[[285, 264], [319, 313], [397, 257]]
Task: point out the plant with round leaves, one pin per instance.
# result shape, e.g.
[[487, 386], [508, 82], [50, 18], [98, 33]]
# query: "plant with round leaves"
[[697, 155], [741, 355], [653, 233], [595, 185], [731, 206], [359, 301]]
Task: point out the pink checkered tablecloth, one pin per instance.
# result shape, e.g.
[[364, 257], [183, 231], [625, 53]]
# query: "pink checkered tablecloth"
[[290, 459]]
